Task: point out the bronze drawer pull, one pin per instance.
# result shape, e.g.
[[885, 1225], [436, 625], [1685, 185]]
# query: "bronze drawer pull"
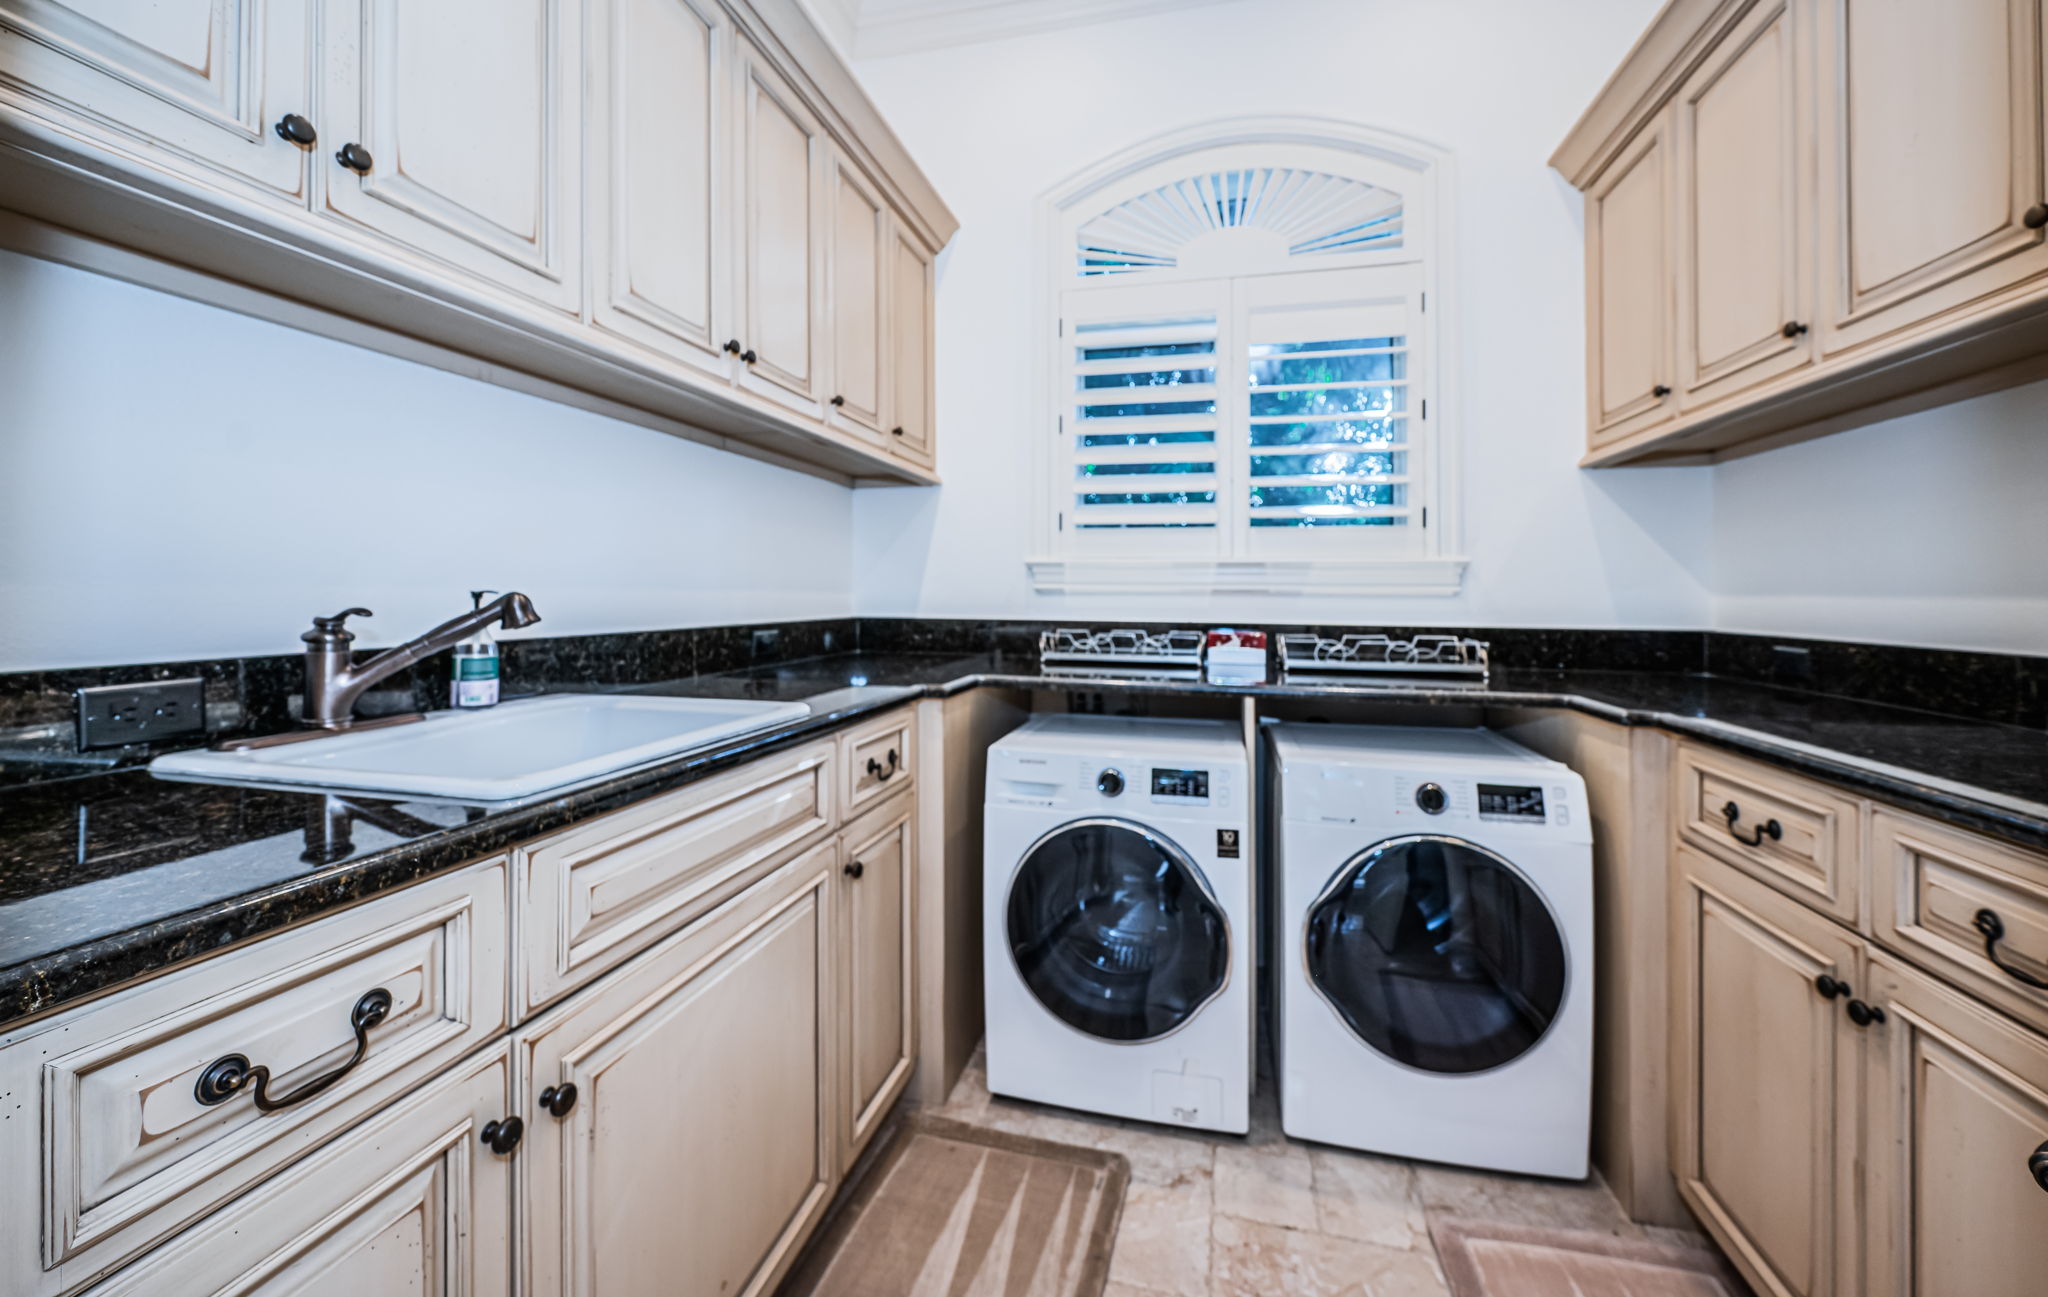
[[883, 773], [230, 1074], [1993, 928], [1864, 1014], [1769, 829], [2037, 1166]]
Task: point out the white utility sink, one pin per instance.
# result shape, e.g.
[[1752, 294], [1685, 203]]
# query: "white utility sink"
[[512, 750]]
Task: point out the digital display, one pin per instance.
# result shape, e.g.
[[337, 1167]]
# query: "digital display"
[[1513, 802], [1180, 783]]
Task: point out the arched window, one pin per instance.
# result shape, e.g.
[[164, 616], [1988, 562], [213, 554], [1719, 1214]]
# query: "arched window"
[[1244, 375]]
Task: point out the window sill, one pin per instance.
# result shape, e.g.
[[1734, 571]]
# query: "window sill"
[[1417, 576]]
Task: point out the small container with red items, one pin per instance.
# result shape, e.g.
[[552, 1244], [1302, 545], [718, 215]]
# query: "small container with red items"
[[1235, 657]]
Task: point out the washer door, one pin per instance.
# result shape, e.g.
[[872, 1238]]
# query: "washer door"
[[1437, 953], [1115, 931]]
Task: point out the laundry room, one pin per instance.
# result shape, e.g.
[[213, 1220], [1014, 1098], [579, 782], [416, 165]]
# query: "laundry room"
[[1117, 648]]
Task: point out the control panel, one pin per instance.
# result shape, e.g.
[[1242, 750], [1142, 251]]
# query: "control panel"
[[1433, 801], [1124, 787]]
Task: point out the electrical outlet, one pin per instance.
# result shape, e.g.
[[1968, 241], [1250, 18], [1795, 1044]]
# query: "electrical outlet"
[[1791, 664], [110, 716], [766, 642]]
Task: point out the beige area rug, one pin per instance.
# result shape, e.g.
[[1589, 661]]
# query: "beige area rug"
[[951, 1210], [1481, 1259]]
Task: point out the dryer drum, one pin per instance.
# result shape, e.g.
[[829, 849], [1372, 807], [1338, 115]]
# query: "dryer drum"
[[1115, 931], [1437, 953]]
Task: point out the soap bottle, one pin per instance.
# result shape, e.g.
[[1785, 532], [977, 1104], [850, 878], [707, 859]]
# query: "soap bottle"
[[474, 681]]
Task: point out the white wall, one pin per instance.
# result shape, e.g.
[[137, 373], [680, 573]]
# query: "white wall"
[[1931, 529], [1498, 82], [178, 481]]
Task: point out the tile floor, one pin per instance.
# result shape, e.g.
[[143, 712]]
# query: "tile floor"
[[1261, 1216]]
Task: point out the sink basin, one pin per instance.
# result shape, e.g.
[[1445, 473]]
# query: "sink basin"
[[512, 750]]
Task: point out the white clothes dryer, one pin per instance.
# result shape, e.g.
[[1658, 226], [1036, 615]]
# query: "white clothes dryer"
[[1118, 918], [1435, 962]]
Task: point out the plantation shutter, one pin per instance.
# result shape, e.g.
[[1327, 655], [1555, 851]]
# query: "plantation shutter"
[[1329, 422], [1142, 424]]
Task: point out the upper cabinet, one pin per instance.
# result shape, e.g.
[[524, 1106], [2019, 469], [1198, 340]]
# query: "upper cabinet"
[[657, 164], [1851, 227], [455, 134], [1628, 289], [1932, 129], [910, 334], [782, 163], [217, 87], [683, 207]]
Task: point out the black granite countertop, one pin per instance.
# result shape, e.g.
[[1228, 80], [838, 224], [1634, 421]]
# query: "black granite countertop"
[[114, 876]]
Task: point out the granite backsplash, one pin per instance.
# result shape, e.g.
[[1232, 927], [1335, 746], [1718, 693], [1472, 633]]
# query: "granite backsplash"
[[261, 695]]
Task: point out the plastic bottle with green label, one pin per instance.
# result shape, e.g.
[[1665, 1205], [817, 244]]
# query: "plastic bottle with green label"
[[475, 672]]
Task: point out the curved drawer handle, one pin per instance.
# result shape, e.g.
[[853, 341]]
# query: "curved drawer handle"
[[1769, 829], [230, 1074], [1993, 928], [2037, 1166], [883, 773]]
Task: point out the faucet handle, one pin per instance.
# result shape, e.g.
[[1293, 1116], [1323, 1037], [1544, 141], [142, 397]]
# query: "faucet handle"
[[331, 632]]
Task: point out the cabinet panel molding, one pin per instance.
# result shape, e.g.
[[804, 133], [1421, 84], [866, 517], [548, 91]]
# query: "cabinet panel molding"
[[1744, 309], [471, 116], [701, 1149], [782, 164], [1764, 1070], [126, 1152], [1628, 290], [199, 79], [878, 918], [659, 162], [409, 1202], [1957, 1102]]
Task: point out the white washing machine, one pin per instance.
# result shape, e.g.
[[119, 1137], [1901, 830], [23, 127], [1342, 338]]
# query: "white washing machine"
[[1435, 910], [1118, 918]]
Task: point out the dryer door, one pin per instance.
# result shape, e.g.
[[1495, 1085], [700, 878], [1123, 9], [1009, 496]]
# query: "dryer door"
[[1437, 953], [1115, 931]]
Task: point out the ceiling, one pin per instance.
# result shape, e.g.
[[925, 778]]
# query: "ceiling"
[[876, 28]]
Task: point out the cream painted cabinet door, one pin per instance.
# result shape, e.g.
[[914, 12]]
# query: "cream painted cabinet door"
[[411, 1201], [860, 226], [878, 920], [659, 230], [700, 1147], [1931, 157], [1629, 354], [1764, 1085], [911, 398], [1744, 223], [1957, 1106], [464, 121], [782, 164], [198, 79]]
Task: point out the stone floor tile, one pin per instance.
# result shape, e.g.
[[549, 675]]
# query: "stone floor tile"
[[1368, 1198], [1159, 1155], [1254, 1259], [1162, 1242], [1521, 1200], [1273, 1183]]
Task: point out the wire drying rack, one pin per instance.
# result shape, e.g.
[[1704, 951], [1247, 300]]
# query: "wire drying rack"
[[1365, 657], [1129, 654]]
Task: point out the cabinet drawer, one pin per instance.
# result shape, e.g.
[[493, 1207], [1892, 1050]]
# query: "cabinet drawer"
[[880, 758], [599, 892], [1929, 885], [408, 1202], [1791, 833], [115, 1150]]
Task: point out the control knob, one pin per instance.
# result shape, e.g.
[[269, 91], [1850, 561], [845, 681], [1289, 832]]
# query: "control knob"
[[1432, 799], [1109, 783]]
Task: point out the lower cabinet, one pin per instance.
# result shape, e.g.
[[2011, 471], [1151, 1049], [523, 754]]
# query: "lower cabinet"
[[1845, 1124], [876, 918], [1765, 1073], [1956, 1107], [698, 1145], [411, 1201]]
